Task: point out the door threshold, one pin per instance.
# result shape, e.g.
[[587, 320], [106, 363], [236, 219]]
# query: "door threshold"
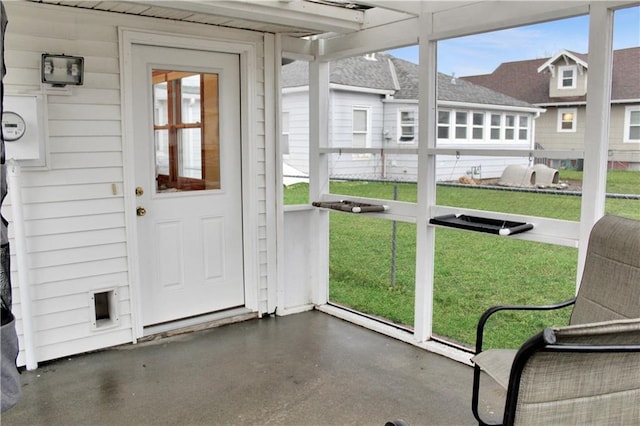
[[200, 322]]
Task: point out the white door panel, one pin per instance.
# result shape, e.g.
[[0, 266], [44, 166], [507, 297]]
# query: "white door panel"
[[189, 169]]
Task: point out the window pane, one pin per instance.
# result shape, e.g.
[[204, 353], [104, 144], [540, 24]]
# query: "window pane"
[[160, 112], [190, 153], [634, 133], [359, 120], [508, 134], [478, 119], [186, 129], [443, 133], [407, 131], [407, 117], [477, 132], [524, 121], [443, 117], [461, 118], [511, 120], [461, 132], [191, 99], [162, 152], [634, 118], [359, 140], [495, 119], [522, 134], [495, 134]]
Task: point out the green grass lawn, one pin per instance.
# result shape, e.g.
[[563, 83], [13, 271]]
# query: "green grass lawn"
[[473, 271]]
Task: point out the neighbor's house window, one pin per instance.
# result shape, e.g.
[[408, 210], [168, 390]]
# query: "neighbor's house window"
[[509, 127], [361, 130], [477, 126], [284, 139], [632, 124], [567, 76], [407, 126], [523, 128], [461, 124], [567, 119], [496, 125], [444, 117]]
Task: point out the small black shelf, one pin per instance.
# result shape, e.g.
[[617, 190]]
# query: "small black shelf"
[[350, 206], [481, 224]]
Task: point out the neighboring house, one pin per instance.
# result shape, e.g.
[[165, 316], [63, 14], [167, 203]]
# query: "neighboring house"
[[374, 104], [559, 85]]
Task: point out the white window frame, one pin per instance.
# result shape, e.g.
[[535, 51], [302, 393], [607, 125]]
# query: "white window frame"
[[627, 123], [574, 76], [526, 128], [446, 125], [367, 132], [513, 128], [413, 125], [481, 127], [561, 112], [464, 125], [499, 127]]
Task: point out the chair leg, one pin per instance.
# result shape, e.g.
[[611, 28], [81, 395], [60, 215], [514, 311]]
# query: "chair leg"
[[475, 397]]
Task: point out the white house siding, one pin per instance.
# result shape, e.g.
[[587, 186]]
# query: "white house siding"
[[341, 131], [76, 236]]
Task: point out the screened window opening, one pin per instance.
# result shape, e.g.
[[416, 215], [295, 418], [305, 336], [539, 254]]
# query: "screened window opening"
[[407, 126], [186, 128]]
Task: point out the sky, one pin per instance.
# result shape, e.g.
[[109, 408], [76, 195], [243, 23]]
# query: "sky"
[[482, 53]]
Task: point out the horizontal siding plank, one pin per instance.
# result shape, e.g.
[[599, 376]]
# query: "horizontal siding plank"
[[78, 255], [64, 27], [66, 225], [77, 270], [66, 193], [71, 177], [73, 208], [84, 284], [83, 112], [84, 95], [77, 239], [85, 144], [77, 47], [98, 340], [83, 160], [84, 128], [55, 335]]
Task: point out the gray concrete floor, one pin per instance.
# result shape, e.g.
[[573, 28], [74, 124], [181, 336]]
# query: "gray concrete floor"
[[304, 369]]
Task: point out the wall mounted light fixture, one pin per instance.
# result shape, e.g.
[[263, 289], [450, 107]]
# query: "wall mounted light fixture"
[[60, 70]]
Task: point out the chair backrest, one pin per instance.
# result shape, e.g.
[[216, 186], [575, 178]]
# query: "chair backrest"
[[582, 384], [610, 285]]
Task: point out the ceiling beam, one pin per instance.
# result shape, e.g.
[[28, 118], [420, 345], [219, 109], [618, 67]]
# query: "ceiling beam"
[[299, 14]]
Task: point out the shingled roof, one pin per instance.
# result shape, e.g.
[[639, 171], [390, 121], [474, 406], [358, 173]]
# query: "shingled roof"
[[378, 74], [522, 80]]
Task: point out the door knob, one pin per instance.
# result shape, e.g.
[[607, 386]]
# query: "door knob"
[[141, 211]]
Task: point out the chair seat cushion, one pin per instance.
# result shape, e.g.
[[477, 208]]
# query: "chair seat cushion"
[[497, 364]]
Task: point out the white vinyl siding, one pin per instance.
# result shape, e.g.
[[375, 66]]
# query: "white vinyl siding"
[[74, 209]]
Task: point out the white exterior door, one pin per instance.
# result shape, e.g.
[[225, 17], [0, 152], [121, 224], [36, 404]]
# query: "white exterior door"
[[186, 107]]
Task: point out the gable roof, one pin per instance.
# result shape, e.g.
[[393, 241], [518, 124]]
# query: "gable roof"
[[522, 80], [567, 55], [398, 76]]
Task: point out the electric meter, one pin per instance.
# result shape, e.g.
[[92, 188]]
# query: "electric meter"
[[13, 126]]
